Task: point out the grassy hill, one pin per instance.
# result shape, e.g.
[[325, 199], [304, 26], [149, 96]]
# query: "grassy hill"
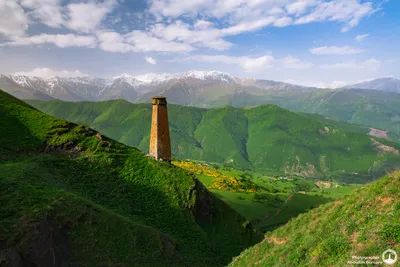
[[73, 196], [365, 107], [266, 139], [366, 223]]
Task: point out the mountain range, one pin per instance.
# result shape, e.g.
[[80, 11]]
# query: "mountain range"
[[267, 139], [184, 89], [190, 88], [375, 107]]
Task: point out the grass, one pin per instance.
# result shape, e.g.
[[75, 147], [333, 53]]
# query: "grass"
[[120, 207], [265, 139], [365, 223], [277, 200]]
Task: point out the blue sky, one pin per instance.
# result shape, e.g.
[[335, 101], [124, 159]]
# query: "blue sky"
[[310, 42]]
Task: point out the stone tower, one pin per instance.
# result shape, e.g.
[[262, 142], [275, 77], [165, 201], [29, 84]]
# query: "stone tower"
[[160, 143]]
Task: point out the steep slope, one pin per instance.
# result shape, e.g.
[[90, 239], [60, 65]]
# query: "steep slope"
[[267, 139], [73, 196], [382, 84], [366, 223]]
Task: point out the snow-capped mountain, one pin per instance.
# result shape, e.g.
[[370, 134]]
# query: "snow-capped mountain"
[[126, 86], [186, 88], [155, 79]]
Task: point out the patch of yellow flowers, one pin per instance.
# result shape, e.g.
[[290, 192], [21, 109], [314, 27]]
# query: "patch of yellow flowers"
[[222, 182]]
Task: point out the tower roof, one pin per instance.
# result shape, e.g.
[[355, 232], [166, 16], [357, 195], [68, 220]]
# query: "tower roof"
[[159, 97]]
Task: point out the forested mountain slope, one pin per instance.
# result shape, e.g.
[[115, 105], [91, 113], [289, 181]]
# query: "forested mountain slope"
[[267, 138]]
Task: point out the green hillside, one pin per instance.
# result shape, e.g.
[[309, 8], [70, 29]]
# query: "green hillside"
[[73, 196], [266, 139], [366, 223], [365, 107]]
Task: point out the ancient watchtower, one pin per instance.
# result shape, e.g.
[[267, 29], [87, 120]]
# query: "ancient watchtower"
[[160, 144]]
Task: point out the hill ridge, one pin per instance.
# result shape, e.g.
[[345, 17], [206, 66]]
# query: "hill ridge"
[[63, 167]]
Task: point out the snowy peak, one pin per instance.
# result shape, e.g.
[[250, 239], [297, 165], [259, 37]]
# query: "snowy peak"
[[159, 78], [215, 76], [153, 78]]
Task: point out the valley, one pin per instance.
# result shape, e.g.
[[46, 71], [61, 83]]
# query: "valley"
[[268, 202], [266, 139], [89, 191]]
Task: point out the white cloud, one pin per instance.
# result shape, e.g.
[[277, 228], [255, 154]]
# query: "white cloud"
[[85, 17], [60, 40], [249, 64], [44, 11], [138, 41], [254, 64], [182, 32], [243, 16], [248, 26], [46, 72], [290, 62], [300, 7], [371, 64], [360, 38], [176, 8], [113, 42], [146, 42], [13, 20], [150, 60], [335, 50], [202, 24], [348, 11]]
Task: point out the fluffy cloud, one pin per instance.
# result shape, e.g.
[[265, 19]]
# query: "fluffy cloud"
[[249, 64], [46, 72], [60, 40], [371, 64], [360, 38], [146, 42], [13, 20], [300, 7], [335, 50], [254, 64], [138, 41], [44, 11], [182, 32], [290, 62], [85, 17], [251, 15], [150, 60], [176, 8], [113, 42], [348, 11]]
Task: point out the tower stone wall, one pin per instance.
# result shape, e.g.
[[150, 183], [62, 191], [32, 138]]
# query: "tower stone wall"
[[160, 143]]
